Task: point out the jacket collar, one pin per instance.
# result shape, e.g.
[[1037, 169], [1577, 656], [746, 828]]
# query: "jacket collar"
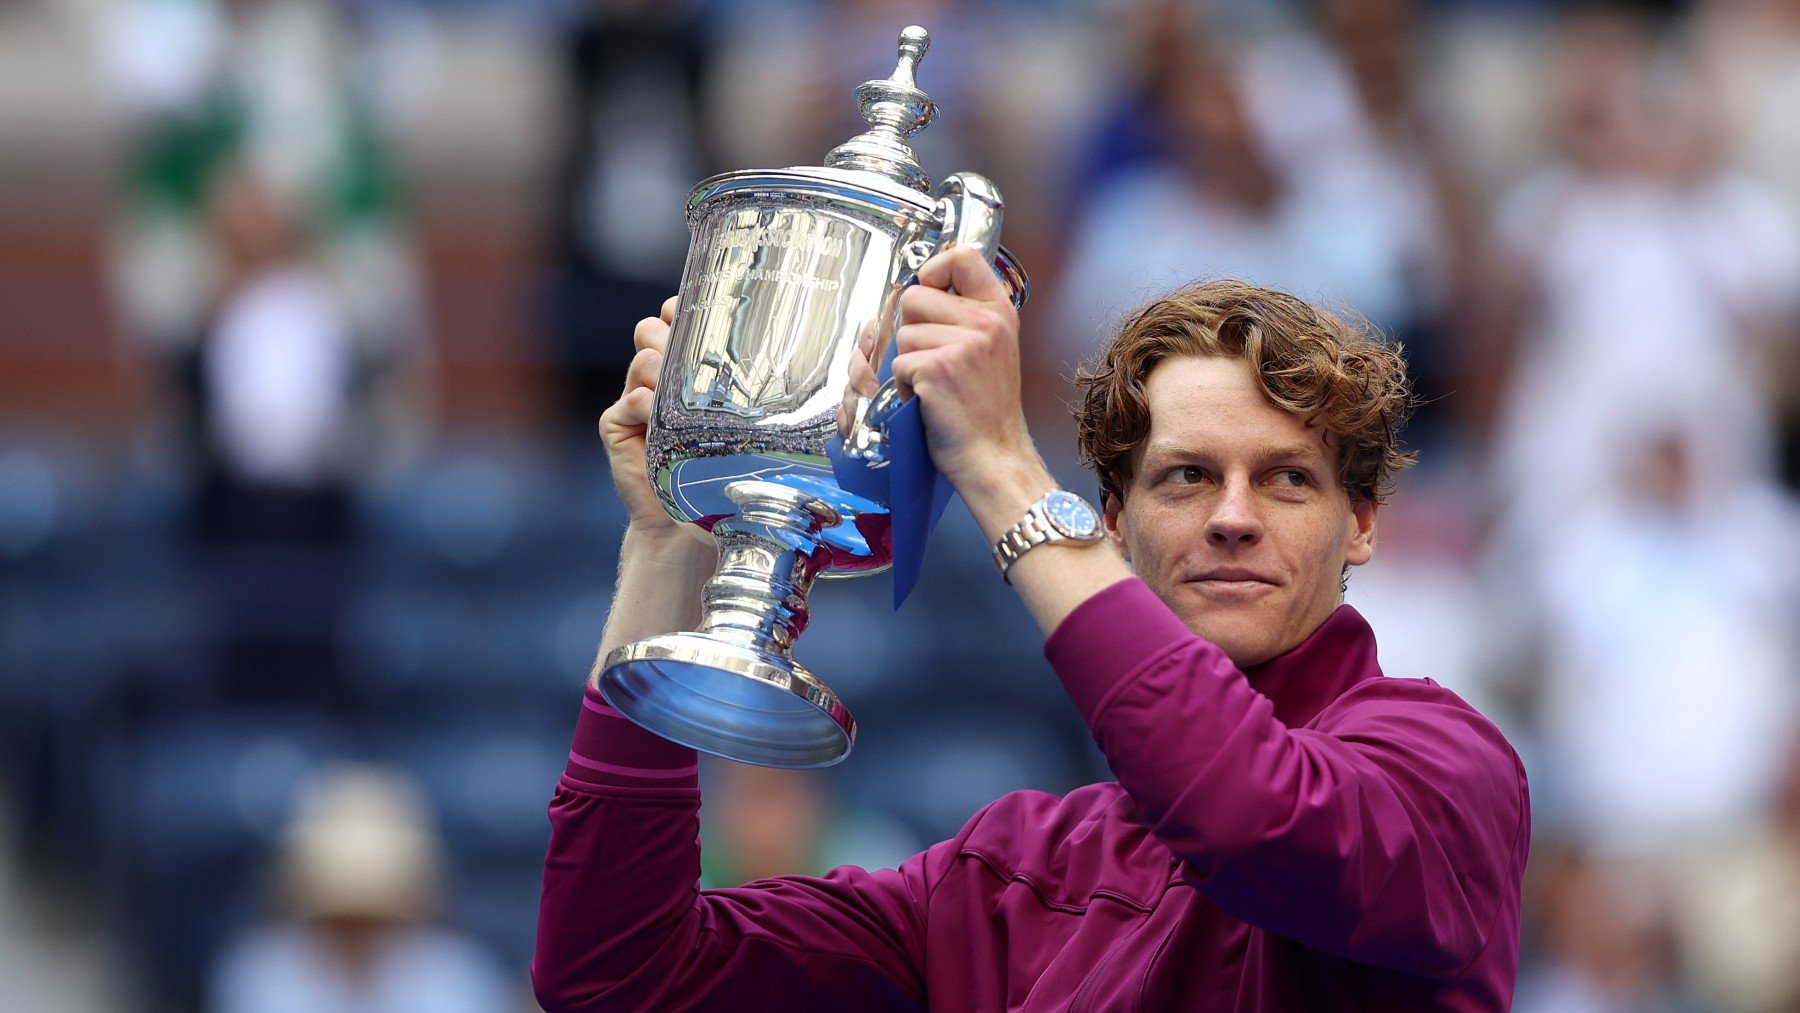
[[1302, 682]]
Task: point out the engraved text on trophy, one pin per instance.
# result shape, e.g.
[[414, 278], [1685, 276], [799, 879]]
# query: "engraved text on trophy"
[[765, 297]]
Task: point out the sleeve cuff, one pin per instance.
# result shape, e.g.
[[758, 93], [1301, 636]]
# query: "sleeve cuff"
[[611, 751], [1107, 638]]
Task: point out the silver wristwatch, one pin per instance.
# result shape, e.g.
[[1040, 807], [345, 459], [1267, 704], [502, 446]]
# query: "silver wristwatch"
[[1059, 517]]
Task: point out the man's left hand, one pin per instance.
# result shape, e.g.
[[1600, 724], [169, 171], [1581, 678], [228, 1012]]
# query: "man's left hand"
[[958, 353]]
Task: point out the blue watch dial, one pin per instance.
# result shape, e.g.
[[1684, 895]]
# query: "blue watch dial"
[[1071, 515]]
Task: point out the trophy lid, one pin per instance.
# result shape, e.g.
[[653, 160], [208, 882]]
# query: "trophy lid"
[[895, 109]]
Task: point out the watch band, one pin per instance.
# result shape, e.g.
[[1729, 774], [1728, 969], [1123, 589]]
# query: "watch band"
[[1040, 526]]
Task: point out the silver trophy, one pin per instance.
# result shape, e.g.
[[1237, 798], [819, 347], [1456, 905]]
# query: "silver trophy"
[[791, 274]]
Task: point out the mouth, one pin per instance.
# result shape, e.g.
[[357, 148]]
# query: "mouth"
[[1232, 582], [1232, 575]]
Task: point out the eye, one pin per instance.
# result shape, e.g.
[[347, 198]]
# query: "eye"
[[1187, 474], [1292, 478]]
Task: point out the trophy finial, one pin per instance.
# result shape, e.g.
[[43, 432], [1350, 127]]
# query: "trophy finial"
[[914, 41], [895, 109]]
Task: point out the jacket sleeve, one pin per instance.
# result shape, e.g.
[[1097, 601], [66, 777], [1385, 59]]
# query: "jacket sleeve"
[[622, 924], [1391, 831]]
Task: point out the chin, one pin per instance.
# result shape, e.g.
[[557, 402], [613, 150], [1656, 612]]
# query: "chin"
[[1245, 630], [1244, 641], [1249, 655]]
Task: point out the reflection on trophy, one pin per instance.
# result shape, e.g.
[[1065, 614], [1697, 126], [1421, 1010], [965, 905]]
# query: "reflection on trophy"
[[787, 269]]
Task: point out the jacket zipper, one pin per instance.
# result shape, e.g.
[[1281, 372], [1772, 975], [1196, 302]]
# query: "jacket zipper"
[[1094, 975], [1155, 955]]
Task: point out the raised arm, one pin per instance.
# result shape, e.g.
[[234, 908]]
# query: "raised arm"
[[663, 563], [1389, 828], [622, 924]]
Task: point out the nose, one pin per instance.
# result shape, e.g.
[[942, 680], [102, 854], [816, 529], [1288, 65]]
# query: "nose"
[[1235, 521]]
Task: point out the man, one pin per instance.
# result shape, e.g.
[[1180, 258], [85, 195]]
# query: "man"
[[1289, 830]]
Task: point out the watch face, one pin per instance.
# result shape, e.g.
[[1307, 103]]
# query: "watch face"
[[1071, 515]]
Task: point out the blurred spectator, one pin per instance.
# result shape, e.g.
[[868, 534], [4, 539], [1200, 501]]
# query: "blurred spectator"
[[1131, 129], [361, 879], [1667, 709], [274, 405], [770, 823], [635, 144], [1421, 590], [263, 96], [1642, 272], [1606, 940], [1669, 656], [1740, 918], [1345, 117], [1215, 206], [263, 274], [773, 822], [275, 380], [1299, 162], [1749, 52]]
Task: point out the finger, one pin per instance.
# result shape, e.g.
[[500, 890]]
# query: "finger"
[[862, 377], [646, 367], [919, 304], [964, 269], [651, 333], [917, 337], [913, 370], [668, 309], [905, 367], [630, 412]]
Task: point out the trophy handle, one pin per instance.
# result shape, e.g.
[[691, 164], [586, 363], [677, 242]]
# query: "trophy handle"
[[969, 211]]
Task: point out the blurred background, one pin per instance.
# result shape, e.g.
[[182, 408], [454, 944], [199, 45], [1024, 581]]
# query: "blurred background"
[[307, 310]]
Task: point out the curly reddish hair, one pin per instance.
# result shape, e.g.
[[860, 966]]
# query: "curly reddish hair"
[[1340, 376]]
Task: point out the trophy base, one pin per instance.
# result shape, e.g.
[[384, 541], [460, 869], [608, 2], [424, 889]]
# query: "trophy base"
[[730, 700]]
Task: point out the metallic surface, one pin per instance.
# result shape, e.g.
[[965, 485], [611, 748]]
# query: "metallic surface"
[[895, 110], [791, 275], [1059, 516], [786, 271], [730, 701], [731, 689]]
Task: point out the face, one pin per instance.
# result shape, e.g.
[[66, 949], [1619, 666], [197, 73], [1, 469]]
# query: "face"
[[1234, 514]]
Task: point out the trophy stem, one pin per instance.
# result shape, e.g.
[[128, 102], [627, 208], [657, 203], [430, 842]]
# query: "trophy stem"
[[769, 554], [731, 688]]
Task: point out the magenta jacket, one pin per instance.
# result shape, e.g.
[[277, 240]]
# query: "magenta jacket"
[[1305, 836]]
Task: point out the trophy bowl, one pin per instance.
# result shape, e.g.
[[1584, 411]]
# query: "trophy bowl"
[[791, 274]]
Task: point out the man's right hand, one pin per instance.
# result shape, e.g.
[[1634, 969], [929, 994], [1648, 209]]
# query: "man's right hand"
[[664, 563], [623, 428]]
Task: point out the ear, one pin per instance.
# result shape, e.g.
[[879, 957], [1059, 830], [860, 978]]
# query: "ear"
[[1362, 533], [1113, 517]]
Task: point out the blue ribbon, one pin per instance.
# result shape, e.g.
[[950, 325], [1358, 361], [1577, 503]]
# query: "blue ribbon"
[[914, 490]]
